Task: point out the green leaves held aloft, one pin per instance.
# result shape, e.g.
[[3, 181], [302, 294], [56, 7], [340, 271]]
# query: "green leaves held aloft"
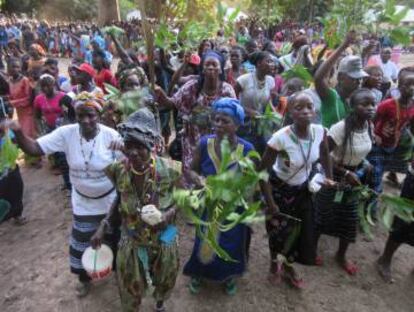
[[268, 122], [128, 102], [225, 199], [164, 37], [113, 30], [298, 71], [8, 154]]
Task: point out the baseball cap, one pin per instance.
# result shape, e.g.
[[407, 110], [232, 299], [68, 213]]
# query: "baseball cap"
[[86, 68], [194, 59], [352, 66]]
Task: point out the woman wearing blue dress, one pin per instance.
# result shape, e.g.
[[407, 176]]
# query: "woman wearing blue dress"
[[228, 116]]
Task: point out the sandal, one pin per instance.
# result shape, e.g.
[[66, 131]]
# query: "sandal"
[[319, 261], [350, 268], [295, 282], [195, 285], [230, 287]]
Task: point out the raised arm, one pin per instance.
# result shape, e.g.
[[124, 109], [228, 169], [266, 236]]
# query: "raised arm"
[[321, 75], [122, 53]]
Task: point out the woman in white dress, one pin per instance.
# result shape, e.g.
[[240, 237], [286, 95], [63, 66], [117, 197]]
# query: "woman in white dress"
[[86, 145]]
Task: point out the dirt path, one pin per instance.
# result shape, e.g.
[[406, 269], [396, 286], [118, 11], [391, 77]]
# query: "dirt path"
[[35, 275], [34, 270]]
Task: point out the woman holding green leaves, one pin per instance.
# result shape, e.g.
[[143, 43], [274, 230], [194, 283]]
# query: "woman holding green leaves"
[[350, 141], [204, 263]]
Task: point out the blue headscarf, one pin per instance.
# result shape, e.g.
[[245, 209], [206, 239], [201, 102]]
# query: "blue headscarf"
[[231, 107], [217, 56]]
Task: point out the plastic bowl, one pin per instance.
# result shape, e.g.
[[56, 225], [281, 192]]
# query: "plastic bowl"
[[98, 262]]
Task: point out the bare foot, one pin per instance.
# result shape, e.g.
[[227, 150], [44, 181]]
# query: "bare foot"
[[82, 289], [384, 271]]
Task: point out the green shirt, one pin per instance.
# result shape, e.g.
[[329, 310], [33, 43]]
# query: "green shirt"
[[333, 109]]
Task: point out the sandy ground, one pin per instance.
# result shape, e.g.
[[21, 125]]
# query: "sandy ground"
[[34, 269]]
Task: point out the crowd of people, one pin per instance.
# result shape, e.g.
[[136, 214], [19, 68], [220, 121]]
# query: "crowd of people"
[[341, 131]]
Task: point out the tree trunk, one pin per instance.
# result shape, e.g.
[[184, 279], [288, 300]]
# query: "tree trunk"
[[108, 11]]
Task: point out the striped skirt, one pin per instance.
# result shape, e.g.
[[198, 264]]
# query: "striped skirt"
[[83, 228], [337, 218]]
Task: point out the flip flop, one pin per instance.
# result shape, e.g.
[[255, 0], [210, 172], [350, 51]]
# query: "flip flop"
[[297, 283], [319, 261], [350, 268], [231, 287], [194, 286]]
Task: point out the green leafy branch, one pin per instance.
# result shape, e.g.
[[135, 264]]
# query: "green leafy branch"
[[391, 206], [8, 154], [268, 122], [225, 200]]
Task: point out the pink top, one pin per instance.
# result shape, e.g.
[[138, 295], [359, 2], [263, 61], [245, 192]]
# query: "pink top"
[[49, 108]]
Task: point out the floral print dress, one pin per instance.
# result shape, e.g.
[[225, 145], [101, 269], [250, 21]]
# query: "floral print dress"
[[145, 263], [189, 102]]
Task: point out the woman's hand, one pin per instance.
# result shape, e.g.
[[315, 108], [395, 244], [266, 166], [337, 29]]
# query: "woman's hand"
[[97, 238], [271, 210], [352, 178], [10, 124]]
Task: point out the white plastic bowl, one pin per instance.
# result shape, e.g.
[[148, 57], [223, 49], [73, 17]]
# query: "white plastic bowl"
[[98, 263]]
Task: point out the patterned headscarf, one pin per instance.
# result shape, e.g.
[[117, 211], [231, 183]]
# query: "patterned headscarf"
[[136, 70], [89, 99], [141, 127], [39, 49]]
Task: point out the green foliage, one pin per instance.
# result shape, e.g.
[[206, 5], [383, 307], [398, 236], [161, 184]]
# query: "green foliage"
[[8, 154], [224, 201], [387, 14], [268, 122], [391, 206], [127, 102], [298, 71], [113, 30]]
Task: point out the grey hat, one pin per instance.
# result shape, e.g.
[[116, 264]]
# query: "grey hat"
[[140, 126], [352, 66]]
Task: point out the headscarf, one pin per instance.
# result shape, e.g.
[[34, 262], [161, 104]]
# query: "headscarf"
[[47, 76], [217, 56], [231, 107], [89, 99], [141, 127], [136, 70], [100, 41], [39, 49]]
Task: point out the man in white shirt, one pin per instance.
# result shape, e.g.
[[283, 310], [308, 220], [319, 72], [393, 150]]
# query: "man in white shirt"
[[389, 68]]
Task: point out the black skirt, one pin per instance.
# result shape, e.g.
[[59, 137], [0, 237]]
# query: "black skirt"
[[11, 190], [294, 201], [339, 219], [403, 232]]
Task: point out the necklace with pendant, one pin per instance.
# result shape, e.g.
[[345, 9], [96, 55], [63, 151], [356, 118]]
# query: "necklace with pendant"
[[87, 160]]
